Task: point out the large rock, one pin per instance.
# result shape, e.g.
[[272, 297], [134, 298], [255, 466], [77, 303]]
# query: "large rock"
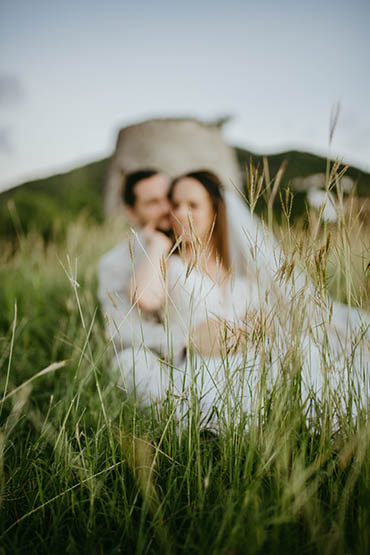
[[174, 146], [327, 202], [317, 181]]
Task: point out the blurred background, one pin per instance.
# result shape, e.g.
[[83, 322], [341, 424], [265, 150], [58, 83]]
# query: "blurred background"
[[73, 73], [280, 75]]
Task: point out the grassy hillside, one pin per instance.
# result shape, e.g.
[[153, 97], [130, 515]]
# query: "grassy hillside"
[[51, 204], [298, 164], [302, 164], [84, 469]]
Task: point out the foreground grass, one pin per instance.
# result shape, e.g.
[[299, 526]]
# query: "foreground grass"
[[82, 469]]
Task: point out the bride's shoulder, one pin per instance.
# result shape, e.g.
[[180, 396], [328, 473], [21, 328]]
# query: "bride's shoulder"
[[180, 271], [176, 266]]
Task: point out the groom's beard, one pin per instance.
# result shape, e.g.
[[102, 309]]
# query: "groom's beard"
[[168, 232]]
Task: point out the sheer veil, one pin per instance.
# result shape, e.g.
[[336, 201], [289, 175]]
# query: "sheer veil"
[[282, 286]]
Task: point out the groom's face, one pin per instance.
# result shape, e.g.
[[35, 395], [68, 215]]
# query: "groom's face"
[[152, 206]]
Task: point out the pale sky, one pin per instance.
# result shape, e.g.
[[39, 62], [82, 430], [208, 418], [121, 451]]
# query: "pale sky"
[[72, 73]]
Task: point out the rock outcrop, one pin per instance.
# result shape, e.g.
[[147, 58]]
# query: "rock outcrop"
[[317, 181], [174, 146], [327, 202]]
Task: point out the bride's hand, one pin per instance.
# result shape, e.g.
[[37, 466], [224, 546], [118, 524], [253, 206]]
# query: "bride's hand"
[[157, 242], [148, 285], [217, 337], [257, 325]]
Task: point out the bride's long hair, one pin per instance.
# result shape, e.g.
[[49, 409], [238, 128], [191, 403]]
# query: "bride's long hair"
[[214, 187]]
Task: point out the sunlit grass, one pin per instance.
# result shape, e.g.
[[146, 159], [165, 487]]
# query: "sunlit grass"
[[85, 469]]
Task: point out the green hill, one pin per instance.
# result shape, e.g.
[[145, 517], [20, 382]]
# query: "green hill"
[[298, 164], [302, 164], [50, 204]]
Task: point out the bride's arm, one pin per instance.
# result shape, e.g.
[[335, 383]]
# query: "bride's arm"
[[148, 284], [216, 337]]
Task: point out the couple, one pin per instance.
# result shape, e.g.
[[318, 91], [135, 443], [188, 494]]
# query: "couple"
[[209, 312]]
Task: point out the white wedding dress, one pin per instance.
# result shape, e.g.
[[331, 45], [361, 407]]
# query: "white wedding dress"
[[216, 387], [225, 390], [319, 341]]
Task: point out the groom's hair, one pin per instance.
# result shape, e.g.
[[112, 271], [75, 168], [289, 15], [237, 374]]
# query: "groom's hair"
[[213, 185], [131, 179]]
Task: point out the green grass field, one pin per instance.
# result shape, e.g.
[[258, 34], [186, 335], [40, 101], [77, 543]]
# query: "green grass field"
[[85, 470]]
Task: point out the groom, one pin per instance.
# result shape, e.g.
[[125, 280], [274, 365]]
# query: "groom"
[[146, 200]]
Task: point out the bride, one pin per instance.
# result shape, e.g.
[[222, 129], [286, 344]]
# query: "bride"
[[247, 316]]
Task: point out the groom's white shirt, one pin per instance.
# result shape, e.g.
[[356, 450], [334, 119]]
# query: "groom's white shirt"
[[127, 326]]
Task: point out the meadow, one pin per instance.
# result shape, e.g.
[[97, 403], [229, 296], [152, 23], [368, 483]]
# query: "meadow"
[[84, 470]]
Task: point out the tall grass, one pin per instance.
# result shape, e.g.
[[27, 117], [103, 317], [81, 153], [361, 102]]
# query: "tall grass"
[[84, 469]]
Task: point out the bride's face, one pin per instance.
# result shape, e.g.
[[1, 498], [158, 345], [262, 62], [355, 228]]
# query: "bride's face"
[[192, 210]]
